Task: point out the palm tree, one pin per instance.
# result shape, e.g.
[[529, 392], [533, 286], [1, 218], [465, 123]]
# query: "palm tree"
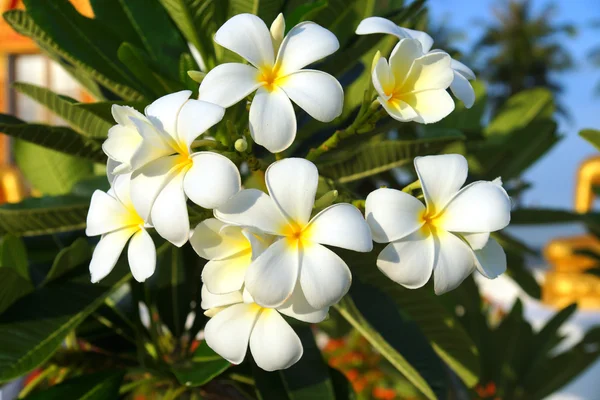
[[520, 50]]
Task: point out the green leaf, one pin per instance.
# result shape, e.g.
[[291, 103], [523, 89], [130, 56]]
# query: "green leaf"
[[536, 216], [187, 63], [204, 366], [13, 254], [376, 157], [103, 109], [348, 309], [68, 258], [304, 12], [113, 16], [87, 187], [81, 120], [62, 139], [14, 286], [592, 136], [46, 215], [47, 170], [34, 327], [49, 29], [194, 19], [265, 9], [98, 386]]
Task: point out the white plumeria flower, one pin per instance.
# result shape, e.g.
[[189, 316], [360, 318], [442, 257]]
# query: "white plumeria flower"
[[123, 140], [165, 170], [449, 236], [460, 86], [113, 216], [276, 75], [412, 87], [297, 259], [237, 321], [230, 250]]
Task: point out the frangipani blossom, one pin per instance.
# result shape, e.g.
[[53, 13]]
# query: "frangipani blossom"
[[230, 250], [449, 235], [412, 87], [276, 74], [460, 86], [238, 322], [113, 216], [297, 260], [166, 172], [123, 140]]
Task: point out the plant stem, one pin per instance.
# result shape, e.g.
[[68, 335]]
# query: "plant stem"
[[413, 186], [36, 381]]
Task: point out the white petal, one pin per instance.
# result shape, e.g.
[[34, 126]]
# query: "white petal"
[[251, 207], [409, 261], [195, 118], [210, 244], [402, 58], [228, 332], [441, 178], [226, 84], [479, 207], [272, 119], [259, 241], [169, 212], [107, 252], [430, 105], [306, 43], [297, 307], [248, 36], [122, 115], [227, 275], [380, 25], [154, 145], [273, 343], [142, 255], [383, 79], [271, 278], [317, 93], [431, 71], [211, 180], [324, 276], [105, 214], [476, 240], [392, 214], [292, 184], [341, 225], [399, 110], [463, 90], [491, 260], [462, 69], [148, 181], [454, 262], [211, 300], [164, 111], [112, 167], [122, 143], [423, 38], [120, 188]]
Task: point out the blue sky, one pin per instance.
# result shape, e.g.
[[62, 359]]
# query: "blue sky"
[[553, 176]]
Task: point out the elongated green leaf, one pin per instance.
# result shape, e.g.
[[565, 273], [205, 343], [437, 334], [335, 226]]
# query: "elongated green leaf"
[[81, 120], [305, 11], [68, 258], [592, 136], [84, 60], [49, 171], [374, 158], [520, 110], [44, 215], [204, 366], [98, 386], [535, 216], [103, 109], [266, 9], [34, 327], [348, 309], [194, 19], [14, 286], [61, 139], [13, 254], [112, 15]]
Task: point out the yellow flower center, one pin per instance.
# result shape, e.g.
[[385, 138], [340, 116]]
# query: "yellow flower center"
[[431, 220], [270, 77], [297, 235], [184, 161]]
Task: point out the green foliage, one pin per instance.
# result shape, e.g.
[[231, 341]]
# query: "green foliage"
[[203, 367], [592, 136], [99, 386]]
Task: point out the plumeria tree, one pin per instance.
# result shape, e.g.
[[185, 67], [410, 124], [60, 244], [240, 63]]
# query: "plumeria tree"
[[282, 175]]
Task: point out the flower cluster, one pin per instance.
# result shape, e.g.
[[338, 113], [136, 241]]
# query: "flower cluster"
[[269, 253]]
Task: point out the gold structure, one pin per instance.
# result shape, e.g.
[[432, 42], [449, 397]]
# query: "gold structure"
[[567, 282]]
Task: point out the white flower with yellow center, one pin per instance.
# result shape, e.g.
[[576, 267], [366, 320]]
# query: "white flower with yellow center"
[[297, 258], [230, 250], [276, 74], [166, 172], [113, 216], [238, 322], [449, 235], [123, 140], [460, 86], [412, 86]]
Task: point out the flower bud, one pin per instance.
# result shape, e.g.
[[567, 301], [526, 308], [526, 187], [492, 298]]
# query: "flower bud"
[[278, 31], [241, 145]]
